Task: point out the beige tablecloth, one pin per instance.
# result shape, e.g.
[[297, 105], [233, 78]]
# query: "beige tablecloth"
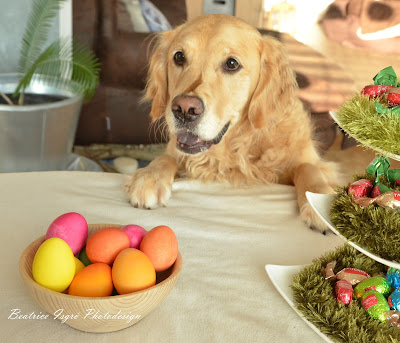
[[226, 237]]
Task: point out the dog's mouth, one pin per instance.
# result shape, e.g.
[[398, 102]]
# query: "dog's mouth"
[[189, 143]]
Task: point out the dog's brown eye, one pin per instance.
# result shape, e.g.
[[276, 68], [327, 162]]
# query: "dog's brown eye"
[[231, 64], [179, 58]]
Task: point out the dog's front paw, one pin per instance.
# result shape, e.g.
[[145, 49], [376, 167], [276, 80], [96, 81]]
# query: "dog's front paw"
[[308, 215], [148, 189]]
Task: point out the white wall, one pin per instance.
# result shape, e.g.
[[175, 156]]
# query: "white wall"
[[307, 14], [13, 18]]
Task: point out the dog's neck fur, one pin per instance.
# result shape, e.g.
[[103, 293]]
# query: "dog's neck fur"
[[234, 159]]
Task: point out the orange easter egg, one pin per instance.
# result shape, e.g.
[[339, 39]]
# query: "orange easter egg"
[[132, 271], [95, 280], [161, 247], [104, 245]]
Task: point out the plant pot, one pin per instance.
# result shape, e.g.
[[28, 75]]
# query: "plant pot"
[[37, 137]]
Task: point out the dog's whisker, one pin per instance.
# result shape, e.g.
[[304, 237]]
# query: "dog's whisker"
[[163, 128], [150, 129], [157, 130]]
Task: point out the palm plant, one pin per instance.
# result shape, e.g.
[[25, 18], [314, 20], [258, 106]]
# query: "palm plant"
[[65, 62]]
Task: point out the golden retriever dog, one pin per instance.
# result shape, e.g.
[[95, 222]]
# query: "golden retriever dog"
[[228, 97]]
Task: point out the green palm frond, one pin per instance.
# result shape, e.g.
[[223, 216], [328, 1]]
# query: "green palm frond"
[[36, 32], [61, 62], [65, 60], [86, 68]]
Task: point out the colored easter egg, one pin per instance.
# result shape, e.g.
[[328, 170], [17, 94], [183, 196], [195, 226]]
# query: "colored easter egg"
[[78, 265], [376, 283], [83, 257], [132, 271], [161, 247], [53, 265], [375, 304], [104, 245], [72, 228], [92, 281], [135, 234]]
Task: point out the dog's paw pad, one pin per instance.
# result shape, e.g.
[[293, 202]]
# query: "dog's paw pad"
[[148, 190]]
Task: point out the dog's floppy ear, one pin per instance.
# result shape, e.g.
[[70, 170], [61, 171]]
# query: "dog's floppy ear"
[[157, 81], [276, 85]]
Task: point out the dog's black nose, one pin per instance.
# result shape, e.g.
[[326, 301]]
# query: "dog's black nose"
[[187, 107]]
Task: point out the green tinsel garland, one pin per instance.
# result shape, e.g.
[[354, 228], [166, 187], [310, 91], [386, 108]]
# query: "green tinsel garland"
[[374, 228], [358, 117], [313, 296]]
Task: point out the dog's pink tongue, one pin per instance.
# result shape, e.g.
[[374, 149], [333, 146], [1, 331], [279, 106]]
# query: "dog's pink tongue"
[[187, 138]]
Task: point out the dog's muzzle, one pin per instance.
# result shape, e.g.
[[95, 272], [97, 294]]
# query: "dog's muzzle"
[[189, 143]]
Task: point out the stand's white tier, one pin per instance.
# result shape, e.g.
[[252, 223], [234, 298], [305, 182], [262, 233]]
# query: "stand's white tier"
[[382, 152], [321, 203]]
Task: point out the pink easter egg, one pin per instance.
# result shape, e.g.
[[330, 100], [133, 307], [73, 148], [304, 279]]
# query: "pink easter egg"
[[72, 228], [135, 234]]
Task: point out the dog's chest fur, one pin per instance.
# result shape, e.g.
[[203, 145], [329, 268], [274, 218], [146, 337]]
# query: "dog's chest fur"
[[236, 160]]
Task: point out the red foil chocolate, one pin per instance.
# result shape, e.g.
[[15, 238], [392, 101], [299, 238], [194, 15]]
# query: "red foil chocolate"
[[344, 292], [373, 91], [393, 97], [360, 188], [375, 191]]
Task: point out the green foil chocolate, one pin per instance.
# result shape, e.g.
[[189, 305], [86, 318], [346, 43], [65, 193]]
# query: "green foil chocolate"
[[379, 166], [383, 188], [375, 283], [386, 76], [393, 175], [384, 110], [375, 304]]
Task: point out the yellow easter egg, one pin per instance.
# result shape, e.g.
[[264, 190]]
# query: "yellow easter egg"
[[78, 265], [53, 265]]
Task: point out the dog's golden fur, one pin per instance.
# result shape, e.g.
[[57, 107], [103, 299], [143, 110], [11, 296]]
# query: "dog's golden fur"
[[269, 135]]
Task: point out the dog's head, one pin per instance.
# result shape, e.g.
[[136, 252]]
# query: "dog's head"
[[212, 74]]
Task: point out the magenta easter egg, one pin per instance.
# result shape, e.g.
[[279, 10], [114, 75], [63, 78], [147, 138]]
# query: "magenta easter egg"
[[72, 228], [135, 234]]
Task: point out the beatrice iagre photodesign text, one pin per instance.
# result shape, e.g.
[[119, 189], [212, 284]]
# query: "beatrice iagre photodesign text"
[[63, 317]]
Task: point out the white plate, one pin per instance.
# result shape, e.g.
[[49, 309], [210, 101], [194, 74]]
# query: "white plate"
[[321, 203], [382, 152], [282, 278]]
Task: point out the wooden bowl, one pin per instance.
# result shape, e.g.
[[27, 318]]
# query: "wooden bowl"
[[104, 314]]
